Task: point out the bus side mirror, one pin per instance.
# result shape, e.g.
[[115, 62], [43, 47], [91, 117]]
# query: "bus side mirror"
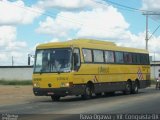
[[76, 61]]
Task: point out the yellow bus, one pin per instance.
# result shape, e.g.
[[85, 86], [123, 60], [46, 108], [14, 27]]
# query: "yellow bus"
[[88, 67]]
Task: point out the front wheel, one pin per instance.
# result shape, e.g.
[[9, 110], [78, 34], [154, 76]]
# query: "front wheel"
[[55, 98], [88, 93]]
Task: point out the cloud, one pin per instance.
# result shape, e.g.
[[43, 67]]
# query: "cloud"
[[99, 23], [10, 46], [57, 28], [154, 44], [69, 5], [7, 34], [13, 13], [151, 5]]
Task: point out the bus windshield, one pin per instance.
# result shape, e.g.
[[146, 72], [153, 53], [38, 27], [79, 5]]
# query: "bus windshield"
[[53, 60]]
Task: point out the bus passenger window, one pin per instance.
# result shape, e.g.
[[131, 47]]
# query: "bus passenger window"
[[119, 57], [87, 55], [138, 58], [98, 56], [127, 57], [109, 56], [134, 58]]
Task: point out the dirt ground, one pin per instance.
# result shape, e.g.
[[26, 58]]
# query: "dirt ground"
[[16, 94], [13, 95]]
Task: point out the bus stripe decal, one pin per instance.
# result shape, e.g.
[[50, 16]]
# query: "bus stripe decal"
[[140, 75]]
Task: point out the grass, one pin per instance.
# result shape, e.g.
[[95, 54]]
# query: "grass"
[[15, 82]]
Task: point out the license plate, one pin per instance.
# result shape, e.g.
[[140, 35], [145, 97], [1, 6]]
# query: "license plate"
[[50, 93]]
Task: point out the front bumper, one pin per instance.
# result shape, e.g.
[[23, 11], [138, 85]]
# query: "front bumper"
[[76, 90]]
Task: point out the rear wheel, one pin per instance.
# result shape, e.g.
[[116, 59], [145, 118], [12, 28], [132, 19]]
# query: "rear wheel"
[[135, 88], [55, 98], [128, 88], [88, 92]]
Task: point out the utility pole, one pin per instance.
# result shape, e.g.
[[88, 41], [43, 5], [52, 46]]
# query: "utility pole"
[[146, 32], [147, 38]]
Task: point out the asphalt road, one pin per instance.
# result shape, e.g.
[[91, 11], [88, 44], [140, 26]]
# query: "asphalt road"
[[147, 101]]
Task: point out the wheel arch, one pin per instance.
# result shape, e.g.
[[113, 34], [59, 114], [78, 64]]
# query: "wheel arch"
[[91, 85], [129, 81]]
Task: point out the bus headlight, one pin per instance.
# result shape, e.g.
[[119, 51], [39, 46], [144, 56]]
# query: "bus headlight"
[[70, 84], [35, 85], [64, 84], [67, 84]]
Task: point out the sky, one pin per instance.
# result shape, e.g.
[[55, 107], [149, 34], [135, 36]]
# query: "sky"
[[26, 23]]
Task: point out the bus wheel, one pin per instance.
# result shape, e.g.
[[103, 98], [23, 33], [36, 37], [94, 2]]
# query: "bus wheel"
[[135, 88], [128, 88], [88, 93], [55, 98]]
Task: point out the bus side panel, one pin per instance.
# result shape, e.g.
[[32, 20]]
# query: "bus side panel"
[[112, 77], [109, 87]]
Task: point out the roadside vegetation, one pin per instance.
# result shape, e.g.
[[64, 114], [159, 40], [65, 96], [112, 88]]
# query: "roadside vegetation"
[[15, 82]]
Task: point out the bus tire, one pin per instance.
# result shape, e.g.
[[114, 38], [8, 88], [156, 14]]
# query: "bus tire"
[[88, 93], [55, 98], [135, 87], [128, 88]]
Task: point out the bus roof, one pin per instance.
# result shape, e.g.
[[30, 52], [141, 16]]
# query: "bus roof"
[[90, 43]]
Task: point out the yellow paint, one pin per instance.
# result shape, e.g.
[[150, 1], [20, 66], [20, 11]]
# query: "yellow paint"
[[87, 72]]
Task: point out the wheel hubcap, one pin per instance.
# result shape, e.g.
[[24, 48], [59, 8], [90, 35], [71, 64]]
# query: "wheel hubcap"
[[136, 88], [128, 87], [87, 91]]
